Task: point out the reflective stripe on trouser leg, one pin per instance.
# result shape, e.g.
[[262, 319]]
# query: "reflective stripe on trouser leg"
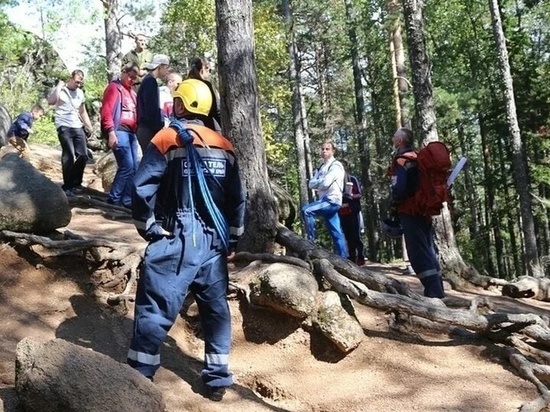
[[210, 291], [419, 240], [169, 266]]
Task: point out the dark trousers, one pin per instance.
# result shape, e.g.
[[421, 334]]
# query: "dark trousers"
[[74, 155], [144, 136], [189, 260], [419, 239], [352, 232]]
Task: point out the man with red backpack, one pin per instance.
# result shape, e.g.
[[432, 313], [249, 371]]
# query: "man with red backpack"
[[119, 124], [416, 196]]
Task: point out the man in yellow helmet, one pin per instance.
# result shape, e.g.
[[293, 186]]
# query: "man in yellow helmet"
[[188, 203]]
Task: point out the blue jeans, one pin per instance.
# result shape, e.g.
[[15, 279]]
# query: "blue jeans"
[[419, 239], [329, 211], [126, 155]]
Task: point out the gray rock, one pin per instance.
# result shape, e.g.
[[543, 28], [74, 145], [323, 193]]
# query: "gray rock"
[[285, 288], [5, 123], [339, 326], [29, 201], [106, 168], [58, 376]]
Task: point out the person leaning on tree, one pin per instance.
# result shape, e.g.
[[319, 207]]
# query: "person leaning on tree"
[[188, 203], [417, 229], [328, 181]]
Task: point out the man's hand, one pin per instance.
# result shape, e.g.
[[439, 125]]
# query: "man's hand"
[[112, 141], [230, 255]]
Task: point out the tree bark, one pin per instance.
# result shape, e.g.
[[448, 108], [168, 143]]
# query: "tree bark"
[[360, 121], [241, 119], [401, 86], [301, 134], [113, 38], [521, 175]]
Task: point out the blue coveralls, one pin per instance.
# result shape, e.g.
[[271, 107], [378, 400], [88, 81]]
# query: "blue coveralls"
[[417, 230], [194, 257]]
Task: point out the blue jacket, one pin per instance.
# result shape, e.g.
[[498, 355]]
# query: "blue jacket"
[[161, 190], [21, 125], [149, 113]]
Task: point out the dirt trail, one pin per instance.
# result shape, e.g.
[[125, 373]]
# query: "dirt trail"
[[277, 365]]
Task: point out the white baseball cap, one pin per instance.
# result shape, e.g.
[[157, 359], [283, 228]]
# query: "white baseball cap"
[[158, 59]]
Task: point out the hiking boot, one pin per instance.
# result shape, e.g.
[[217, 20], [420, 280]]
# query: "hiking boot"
[[69, 193], [360, 261], [215, 393], [78, 189]]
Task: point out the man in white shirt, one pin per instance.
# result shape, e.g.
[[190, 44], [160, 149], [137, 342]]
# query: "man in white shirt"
[[328, 181], [71, 118]]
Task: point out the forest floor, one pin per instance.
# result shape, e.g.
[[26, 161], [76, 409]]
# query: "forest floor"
[[277, 365]]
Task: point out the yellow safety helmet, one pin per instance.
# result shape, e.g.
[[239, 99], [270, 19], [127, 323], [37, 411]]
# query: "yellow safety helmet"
[[196, 96]]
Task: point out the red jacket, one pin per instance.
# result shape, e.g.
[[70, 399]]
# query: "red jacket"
[[118, 108]]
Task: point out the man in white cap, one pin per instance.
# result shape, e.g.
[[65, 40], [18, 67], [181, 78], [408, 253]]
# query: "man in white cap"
[[149, 114]]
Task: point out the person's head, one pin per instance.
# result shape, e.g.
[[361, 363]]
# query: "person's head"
[[76, 80], [403, 137], [129, 74], [37, 111], [159, 66], [141, 42], [328, 149], [192, 96], [199, 69], [172, 81]]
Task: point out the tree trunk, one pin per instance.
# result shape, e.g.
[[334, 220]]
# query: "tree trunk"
[[361, 121], [241, 119], [401, 86], [521, 175], [421, 68], [113, 39], [300, 134], [492, 216], [453, 266]]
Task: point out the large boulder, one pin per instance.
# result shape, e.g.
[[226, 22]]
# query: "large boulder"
[[60, 376], [285, 288], [5, 123], [29, 201]]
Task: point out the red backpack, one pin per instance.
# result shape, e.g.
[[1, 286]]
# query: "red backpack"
[[434, 164]]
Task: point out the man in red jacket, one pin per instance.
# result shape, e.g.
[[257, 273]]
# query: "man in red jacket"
[[119, 123]]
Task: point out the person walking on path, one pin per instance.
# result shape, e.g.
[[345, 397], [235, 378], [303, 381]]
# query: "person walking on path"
[[71, 118], [119, 123]]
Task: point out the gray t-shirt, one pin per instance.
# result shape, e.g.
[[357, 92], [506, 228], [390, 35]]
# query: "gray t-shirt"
[[67, 108]]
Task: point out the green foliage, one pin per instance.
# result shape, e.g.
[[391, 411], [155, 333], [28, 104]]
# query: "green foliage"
[[44, 132]]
